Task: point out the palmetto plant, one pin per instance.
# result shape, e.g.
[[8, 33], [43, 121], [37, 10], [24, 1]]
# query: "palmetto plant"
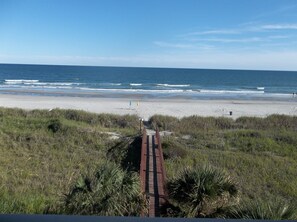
[[259, 209], [201, 190], [109, 191]]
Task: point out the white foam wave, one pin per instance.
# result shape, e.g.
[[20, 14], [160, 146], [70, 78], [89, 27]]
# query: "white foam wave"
[[35, 87], [136, 90], [58, 87], [37, 83], [260, 88], [18, 81], [135, 84], [52, 83], [171, 85], [109, 84], [231, 91], [43, 87], [144, 91]]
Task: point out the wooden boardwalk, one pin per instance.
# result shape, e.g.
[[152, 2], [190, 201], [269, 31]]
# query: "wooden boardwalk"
[[152, 172]]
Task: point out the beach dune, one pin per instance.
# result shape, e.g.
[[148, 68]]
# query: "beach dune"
[[146, 108]]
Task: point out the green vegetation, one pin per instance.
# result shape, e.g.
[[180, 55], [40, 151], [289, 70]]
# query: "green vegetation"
[[109, 191], [258, 209], [259, 154], [43, 153], [74, 162], [201, 191]]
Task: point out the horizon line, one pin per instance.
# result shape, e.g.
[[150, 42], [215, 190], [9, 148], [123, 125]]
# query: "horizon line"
[[151, 67]]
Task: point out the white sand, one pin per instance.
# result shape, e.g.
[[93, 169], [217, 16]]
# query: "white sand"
[[149, 107]]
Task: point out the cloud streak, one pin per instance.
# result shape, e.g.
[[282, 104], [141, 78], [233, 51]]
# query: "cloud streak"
[[279, 27], [173, 45], [212, 32], [230, 40]]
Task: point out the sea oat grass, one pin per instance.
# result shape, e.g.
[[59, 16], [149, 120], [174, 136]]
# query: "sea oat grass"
[[43, 152]]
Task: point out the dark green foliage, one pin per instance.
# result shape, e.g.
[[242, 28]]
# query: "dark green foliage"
[[37, 165], [109, 191], [43, 152], [163, 122], [188, 125], [127, 153], [259, 153], [171, 210], [271, 122], [54, 125], [173, 149], [250, 141], [263, 210], [104, 120], [200, 191], [224, 123]]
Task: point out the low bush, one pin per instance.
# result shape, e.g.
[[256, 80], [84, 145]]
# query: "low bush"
[[263, 210], [173, 149], [108, 191], [200, 192], [54, 125]]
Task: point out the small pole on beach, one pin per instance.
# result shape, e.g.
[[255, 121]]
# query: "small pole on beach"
[[140, 124]]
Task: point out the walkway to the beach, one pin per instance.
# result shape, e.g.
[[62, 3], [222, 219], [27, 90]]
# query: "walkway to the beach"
[[152, 172]]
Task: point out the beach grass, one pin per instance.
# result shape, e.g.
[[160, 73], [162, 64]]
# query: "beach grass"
[[44, 152], [260, 154]]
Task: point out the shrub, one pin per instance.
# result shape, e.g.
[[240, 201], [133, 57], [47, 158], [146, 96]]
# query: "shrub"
[[54, 125], [201, 191], [224, 123], [258, 209], [172, 149], [126, 153], [109, 191], [163, 122]]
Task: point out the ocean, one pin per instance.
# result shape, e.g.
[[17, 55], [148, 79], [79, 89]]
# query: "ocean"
[[90, 81]]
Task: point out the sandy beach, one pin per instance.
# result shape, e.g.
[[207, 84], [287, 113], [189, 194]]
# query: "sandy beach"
[[147, 107]]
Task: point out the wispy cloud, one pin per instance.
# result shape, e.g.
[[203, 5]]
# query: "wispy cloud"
[[247, 28], [173, 45], [230, 40], [278, 37], [279, 27], [214, 31]]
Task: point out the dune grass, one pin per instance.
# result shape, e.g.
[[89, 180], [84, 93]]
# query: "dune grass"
[[260, 154], [107, 191], [45, 155], [44, 152]]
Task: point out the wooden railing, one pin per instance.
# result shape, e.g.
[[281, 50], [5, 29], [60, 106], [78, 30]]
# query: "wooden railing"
[[163, 193], [143, 160]]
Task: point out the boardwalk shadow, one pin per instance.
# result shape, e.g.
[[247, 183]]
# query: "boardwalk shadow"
[[132, 159], [127, 153]]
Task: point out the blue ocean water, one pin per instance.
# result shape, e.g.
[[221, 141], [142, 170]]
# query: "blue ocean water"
[[146, 82]]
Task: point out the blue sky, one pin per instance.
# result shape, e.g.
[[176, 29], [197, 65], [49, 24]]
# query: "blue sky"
[[236, 34]]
